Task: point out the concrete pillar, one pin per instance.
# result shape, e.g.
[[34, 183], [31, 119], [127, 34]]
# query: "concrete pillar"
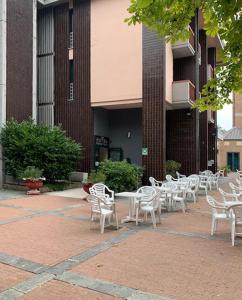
[[3, 62], [34, 83]]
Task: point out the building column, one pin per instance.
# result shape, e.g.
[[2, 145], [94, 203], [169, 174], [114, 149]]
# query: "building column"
[[3, 63], [154, 112], [34, 83]]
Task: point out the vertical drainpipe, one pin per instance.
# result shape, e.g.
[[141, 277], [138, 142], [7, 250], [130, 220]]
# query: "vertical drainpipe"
[[197, 84], [34, 79], [3, 74]]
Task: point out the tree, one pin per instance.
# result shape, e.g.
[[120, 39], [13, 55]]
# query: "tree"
[[170, 19]]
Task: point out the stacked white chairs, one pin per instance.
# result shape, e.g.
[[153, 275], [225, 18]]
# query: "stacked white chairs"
[[99, 208], [148, 203], [236, 221], [218, 213]]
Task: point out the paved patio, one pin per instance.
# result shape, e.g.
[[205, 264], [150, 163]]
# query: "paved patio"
[[48, 251]]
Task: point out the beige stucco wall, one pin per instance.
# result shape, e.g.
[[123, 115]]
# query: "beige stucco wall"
[[228, 146], [238, 110], [116, 54], [169, 72]]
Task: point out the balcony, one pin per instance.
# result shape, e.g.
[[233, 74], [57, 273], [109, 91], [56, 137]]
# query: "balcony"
[[210, 116], [183, 94], [184, 48], [210, 74]]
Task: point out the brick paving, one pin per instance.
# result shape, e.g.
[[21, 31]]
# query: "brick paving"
[[49, 251]]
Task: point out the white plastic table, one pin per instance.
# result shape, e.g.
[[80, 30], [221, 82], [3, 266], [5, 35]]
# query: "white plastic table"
[[132, 196]]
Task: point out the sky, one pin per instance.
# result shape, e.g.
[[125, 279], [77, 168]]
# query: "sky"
[[225, 117]]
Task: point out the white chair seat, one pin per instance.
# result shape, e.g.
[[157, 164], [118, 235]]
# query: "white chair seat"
[[106, 211], [220, 216]]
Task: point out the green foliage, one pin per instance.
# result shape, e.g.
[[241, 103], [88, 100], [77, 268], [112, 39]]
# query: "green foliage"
[[170, 19], [31, 173], [28, 144], [172, 167], [226, 168], [120, 175], [96, 177]]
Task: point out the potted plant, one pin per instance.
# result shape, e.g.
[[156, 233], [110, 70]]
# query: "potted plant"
[[226, 170], [94, 177], [33, 179]]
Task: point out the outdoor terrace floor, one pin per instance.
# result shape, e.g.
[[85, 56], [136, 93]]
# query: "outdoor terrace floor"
[[48, 251]]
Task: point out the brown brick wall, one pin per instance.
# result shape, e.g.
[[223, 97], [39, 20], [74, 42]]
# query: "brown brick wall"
[[75, 116], [19, 59], [153, 104]]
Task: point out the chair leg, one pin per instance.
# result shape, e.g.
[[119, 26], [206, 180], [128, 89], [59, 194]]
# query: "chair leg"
[[213, 226], [145, 215], [153, 218], [233, 233], [102, 223], [137, 215], [159, 212], [116, 217]]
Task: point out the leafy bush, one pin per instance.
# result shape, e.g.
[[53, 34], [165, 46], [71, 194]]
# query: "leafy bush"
[[172, 167], [31, 173], [96, 177], [120, 175], [28, 144]]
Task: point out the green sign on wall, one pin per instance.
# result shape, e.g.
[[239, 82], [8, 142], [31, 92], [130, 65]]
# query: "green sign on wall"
[[144, 151]]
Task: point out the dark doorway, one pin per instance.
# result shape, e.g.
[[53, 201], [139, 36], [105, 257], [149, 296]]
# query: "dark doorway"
[[233, 160]]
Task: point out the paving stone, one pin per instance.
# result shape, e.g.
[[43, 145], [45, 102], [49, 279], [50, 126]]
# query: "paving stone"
[[10, 294], [138, 295], [96, 285], [30, 284], [22, 263]]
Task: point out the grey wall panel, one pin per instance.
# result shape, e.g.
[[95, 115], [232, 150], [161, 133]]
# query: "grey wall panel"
[[46, 79], [46, 115], [45, 31]]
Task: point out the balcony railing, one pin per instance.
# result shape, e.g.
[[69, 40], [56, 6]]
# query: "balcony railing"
[[210, 74], [184, 48], [183, 93]]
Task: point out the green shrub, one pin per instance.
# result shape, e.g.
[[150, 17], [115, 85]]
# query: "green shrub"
[[96, 177], [172, 167], [28, 144], [120, 175], [31, 173]]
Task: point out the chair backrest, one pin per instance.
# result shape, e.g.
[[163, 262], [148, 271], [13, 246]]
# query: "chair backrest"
[[95, 203], [169, 178], [227, 197], [221, 172], [154, 182], [170, 185], [239, 182], [148, 191], [215, 204], [98, 189]]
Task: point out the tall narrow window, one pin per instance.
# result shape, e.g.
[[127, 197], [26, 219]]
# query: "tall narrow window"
[[71, 28], [71, 80]]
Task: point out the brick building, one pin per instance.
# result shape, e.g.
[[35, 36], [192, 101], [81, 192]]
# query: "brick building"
[[120, 91]]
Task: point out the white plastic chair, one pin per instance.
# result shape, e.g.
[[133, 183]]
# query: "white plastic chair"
[[102, 191], [236, 221], [239, 182], [203, 184], [149, 203], [169, 178], [221, 172], [218, 213], [180, 175], [100, 208], [239, 173], [154, 182], [194, 186], [179, 196]]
